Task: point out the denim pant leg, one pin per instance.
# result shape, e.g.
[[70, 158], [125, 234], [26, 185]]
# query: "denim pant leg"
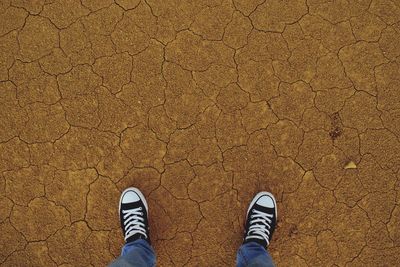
[[138, 253], [253, 254]]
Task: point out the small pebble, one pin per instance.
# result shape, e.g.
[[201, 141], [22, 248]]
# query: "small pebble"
[[350, 165]]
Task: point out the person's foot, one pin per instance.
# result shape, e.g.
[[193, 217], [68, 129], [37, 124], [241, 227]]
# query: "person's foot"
[[261, 219], [133, 212]]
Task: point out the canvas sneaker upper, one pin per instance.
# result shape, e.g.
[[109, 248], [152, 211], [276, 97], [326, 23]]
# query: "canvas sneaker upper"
[[261, 219], [133, 213]]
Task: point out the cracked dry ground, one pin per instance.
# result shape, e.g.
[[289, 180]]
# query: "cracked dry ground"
[[200, 104]]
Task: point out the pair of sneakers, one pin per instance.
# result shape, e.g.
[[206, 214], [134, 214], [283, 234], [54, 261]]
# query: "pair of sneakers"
[[260, 219]]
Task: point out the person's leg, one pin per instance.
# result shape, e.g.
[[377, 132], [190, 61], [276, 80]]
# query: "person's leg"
[[253, 254], [133, 213], [260, 224], [135, 254]]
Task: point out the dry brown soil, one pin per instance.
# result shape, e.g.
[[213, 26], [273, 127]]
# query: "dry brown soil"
[[200, 104]]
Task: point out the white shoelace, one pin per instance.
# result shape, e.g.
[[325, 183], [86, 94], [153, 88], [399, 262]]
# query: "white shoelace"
[[134, 222], [258, 225]]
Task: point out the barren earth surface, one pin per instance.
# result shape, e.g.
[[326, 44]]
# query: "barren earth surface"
[[200, 104]]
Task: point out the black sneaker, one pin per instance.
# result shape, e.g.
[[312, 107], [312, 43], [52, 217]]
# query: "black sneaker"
[[133, 212], [261, 219]]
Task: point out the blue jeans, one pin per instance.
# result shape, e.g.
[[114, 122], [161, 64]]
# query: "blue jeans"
[[140, 254]]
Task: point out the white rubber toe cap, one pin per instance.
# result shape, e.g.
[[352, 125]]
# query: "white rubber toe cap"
[[130, 197], [266, 201]]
